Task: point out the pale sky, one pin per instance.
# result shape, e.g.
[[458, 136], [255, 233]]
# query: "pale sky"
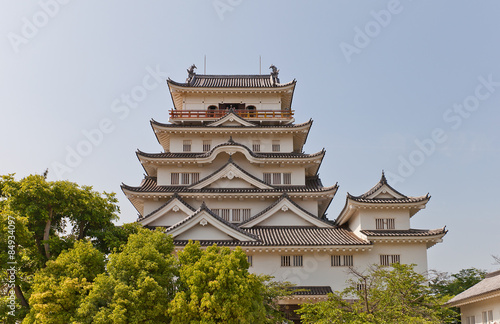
[[409, 87]]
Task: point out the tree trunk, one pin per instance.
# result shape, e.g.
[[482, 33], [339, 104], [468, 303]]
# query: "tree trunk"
[[46, 234], [20, 296], [82, 230]]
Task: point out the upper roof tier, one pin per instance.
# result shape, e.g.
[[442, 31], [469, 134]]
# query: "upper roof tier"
[[204, 98]]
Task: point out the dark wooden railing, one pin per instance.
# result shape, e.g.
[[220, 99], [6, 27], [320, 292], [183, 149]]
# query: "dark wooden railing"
[[244, 113]]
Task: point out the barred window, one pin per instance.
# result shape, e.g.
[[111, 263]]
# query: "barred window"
[[276, 178], [216, 211], [267, 178], [256, 146], [174, 178], [287, 178], [360, 286], [342, 260], [246, 214], [224, 213], [195, 177], [185, 178], [236, 215], [292, 260], [389, 259], [276, 146], [250, 260], [385, 223], [186, 146], [207, 145], [285, 261]]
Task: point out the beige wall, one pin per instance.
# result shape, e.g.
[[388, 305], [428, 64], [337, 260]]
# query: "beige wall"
[[476, 309]]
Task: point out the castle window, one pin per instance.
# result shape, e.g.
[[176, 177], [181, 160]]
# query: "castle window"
[[250, 260], [225, 213], [184, 178], [287, 178], [186, 146], [389, 259], [276, 178], [292, 260], [470, 320], [211, 111], [384, 223], [246, 214], [236, 215], [251, 111], [174, 178], [360, 287], [267, 178], [256, 146], [233, 215], [342, 260], [207, 145], [276, 146]]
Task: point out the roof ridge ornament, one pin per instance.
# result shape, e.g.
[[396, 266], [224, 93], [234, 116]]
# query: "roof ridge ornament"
[[191, 73], [274, 74]]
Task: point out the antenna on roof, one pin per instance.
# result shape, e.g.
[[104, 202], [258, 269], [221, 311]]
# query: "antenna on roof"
[[260, 64], [205, 64]]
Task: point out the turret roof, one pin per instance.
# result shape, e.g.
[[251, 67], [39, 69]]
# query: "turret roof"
[[231, 81]]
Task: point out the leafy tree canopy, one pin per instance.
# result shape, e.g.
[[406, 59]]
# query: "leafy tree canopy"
[[384, 295]]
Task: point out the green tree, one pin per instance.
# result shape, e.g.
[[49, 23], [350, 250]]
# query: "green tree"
[[42, 211], [60, 287], [138, 285], [216, 287], [384, 295]]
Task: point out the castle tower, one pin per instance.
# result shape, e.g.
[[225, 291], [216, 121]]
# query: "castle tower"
[[233, 172]]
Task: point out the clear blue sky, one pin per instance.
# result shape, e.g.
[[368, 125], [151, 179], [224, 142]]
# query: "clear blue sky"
[[411, 87]]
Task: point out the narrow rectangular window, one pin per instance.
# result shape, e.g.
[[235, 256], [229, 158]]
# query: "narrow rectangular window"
[[256, 146], [360, 287], [485, 317], [490, 315], [186, 146], [277, 178], [207, 145], [246, 214], [174, 178], [225, 214], [276, 146], [384, 223], [336, 261], [285, 261], [389, 259], [236, 216], [342, 260], [267, 178], [185, 178], [195, 177], [287, 178], [297, 260], [250, 260]]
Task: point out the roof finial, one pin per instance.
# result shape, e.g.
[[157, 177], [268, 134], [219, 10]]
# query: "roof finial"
[[383, 179], [230, 139], [191, 73], [274, 74]]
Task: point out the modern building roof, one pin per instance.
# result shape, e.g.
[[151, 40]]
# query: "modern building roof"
[[489, 287]]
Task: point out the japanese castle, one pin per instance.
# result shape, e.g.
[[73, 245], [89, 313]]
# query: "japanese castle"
[[233, 172]]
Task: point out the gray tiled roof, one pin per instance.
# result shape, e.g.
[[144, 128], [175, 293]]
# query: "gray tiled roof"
[[231, 81], [488, 285], [311, 290], [281, 155], [154, 122], [410, 232], [149, 184]]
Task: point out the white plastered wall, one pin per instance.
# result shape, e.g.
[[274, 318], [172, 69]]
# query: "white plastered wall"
[[476, 309], [260, 101]]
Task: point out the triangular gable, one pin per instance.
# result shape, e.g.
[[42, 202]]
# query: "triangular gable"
[[284, 212], [172, 212], [231, 119], [204, 225], [228, 173], [385, 191]]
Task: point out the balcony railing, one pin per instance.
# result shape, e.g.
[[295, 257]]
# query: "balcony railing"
[[244, 113]]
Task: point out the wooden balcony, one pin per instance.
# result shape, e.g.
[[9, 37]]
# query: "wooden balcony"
[[244, 113]]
